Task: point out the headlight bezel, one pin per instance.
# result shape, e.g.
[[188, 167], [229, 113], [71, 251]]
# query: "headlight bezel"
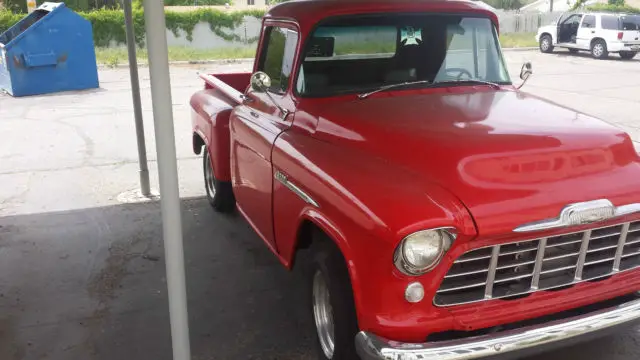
[[448, 236]]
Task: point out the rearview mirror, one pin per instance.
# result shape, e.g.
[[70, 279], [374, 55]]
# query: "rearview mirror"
[[525, 72], [260, 82]]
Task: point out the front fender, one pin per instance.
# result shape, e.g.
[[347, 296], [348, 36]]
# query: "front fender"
[[366, 206]]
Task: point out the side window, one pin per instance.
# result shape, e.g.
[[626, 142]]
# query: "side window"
[[589, 21], [277, 56], [609, 22]]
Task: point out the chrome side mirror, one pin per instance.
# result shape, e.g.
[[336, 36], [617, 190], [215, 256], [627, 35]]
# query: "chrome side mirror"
[[525, 72], [260, 82]]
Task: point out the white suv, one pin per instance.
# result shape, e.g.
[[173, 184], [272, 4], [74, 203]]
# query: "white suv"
[[599, 33]]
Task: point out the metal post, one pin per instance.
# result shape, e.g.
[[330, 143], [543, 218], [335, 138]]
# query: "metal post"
[[550, 5], [168, 174], [145, 188]]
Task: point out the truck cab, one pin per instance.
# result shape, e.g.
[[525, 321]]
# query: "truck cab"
[[436, 211]]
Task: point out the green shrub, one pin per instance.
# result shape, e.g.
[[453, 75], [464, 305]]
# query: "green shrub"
[[614, 8], [108, 24]]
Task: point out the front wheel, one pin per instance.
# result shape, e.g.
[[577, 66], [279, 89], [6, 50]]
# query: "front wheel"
[[546, 45], [332, 304], [628, 55], [219, 193], [599, 50]]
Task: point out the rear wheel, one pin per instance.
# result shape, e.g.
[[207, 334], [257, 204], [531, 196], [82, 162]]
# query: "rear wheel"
[[546, 45], [332, 305], [599, 49], [628, 55], [219, 193]]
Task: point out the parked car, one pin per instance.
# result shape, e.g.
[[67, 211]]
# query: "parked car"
[[598, 33], [438, 211]]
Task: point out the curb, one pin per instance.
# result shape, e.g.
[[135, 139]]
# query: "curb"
[[520, 49], [178, 63], [245, 60]]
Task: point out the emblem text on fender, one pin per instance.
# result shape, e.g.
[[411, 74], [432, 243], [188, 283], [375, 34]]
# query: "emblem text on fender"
[[580, 214]]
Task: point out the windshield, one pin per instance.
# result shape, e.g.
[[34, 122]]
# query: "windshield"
[[360, 54]]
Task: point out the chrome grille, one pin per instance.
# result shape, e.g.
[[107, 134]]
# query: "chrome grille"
[[509, 271]]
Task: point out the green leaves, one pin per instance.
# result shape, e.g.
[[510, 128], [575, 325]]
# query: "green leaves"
[[108, 25]]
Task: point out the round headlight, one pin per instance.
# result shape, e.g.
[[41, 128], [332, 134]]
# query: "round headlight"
[[422, 251]]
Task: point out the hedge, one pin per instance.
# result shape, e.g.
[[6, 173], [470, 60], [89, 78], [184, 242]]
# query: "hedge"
[[614, 8], [108, 25]]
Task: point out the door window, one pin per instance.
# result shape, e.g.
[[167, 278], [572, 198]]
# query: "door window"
[[589, 22], [277, 57]]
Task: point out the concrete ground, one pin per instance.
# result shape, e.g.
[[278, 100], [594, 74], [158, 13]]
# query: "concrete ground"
[[82, 275]]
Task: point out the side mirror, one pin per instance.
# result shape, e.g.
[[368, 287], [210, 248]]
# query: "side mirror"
[[260, 82], [525, 72]]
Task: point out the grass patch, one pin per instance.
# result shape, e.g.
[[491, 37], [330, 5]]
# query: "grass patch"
[[518, 40], [117, 56]]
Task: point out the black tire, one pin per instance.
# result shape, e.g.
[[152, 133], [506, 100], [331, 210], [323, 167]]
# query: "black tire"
[[599, 49], [328, 264], [546, 44], [628, 55], [573, 51], [219, 193]]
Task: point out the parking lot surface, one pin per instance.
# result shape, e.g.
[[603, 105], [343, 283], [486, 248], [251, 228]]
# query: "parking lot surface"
[[82, 274]]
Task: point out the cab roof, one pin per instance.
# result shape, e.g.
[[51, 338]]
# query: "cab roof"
[[307, 13]]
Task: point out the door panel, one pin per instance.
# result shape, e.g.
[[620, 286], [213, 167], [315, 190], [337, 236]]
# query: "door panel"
[[586, 32], [254, 127]]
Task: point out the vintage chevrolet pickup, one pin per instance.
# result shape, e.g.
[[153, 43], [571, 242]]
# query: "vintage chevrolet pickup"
[[441, 212]]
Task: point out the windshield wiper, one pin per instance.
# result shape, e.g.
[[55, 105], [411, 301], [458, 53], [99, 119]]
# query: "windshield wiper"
[[472, 81], [387, 87]]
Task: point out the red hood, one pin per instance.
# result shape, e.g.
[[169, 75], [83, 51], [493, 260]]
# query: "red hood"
[[509, 157]]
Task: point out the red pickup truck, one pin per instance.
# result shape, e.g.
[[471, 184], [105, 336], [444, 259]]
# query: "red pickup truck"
[[443, 213]]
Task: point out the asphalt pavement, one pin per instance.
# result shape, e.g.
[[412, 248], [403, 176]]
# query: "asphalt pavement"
[[82, 274]]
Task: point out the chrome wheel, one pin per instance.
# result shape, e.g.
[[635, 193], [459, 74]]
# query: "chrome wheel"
[[598, 50], [208, 176], [323, 314], [544, 45]]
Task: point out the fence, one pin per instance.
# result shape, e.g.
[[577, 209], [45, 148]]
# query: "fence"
[[247, 33], [525, 22]]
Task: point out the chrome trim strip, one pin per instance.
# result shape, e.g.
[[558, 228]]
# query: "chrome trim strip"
[[622, 240], [282, 178], [372, 347], [583, 255], [488, 290], [537, 268], [581, 213]]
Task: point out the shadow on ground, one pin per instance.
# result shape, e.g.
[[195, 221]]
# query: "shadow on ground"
[[89, 284]]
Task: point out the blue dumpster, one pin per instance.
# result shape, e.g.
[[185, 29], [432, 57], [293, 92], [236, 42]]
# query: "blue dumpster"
[[49, 50]]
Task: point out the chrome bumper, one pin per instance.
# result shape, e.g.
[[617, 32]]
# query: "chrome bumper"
[[515, 342]]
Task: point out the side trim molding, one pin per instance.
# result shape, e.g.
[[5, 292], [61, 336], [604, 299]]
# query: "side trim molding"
[[284, 180]]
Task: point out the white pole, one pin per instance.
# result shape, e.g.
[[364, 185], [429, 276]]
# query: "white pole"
[[168, 175]]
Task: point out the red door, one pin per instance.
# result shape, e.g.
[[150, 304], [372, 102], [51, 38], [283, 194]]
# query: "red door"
[[256, 124]]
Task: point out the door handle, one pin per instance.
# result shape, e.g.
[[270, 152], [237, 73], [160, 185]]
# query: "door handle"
[[254, 114], [593, 31]]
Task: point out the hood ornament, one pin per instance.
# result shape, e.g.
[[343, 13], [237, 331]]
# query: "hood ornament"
[[581, 213]]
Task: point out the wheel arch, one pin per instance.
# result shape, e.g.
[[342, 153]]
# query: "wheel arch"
[[198, 142], [596, 39]]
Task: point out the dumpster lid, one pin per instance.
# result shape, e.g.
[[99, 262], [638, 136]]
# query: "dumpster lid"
[[30, 21]]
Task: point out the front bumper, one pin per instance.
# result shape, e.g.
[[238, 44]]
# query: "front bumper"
[[514, 343]]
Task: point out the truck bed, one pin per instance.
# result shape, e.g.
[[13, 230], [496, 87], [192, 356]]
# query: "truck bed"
[[233, 85]]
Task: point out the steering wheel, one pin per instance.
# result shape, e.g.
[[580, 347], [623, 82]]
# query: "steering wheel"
[[460, 72]]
